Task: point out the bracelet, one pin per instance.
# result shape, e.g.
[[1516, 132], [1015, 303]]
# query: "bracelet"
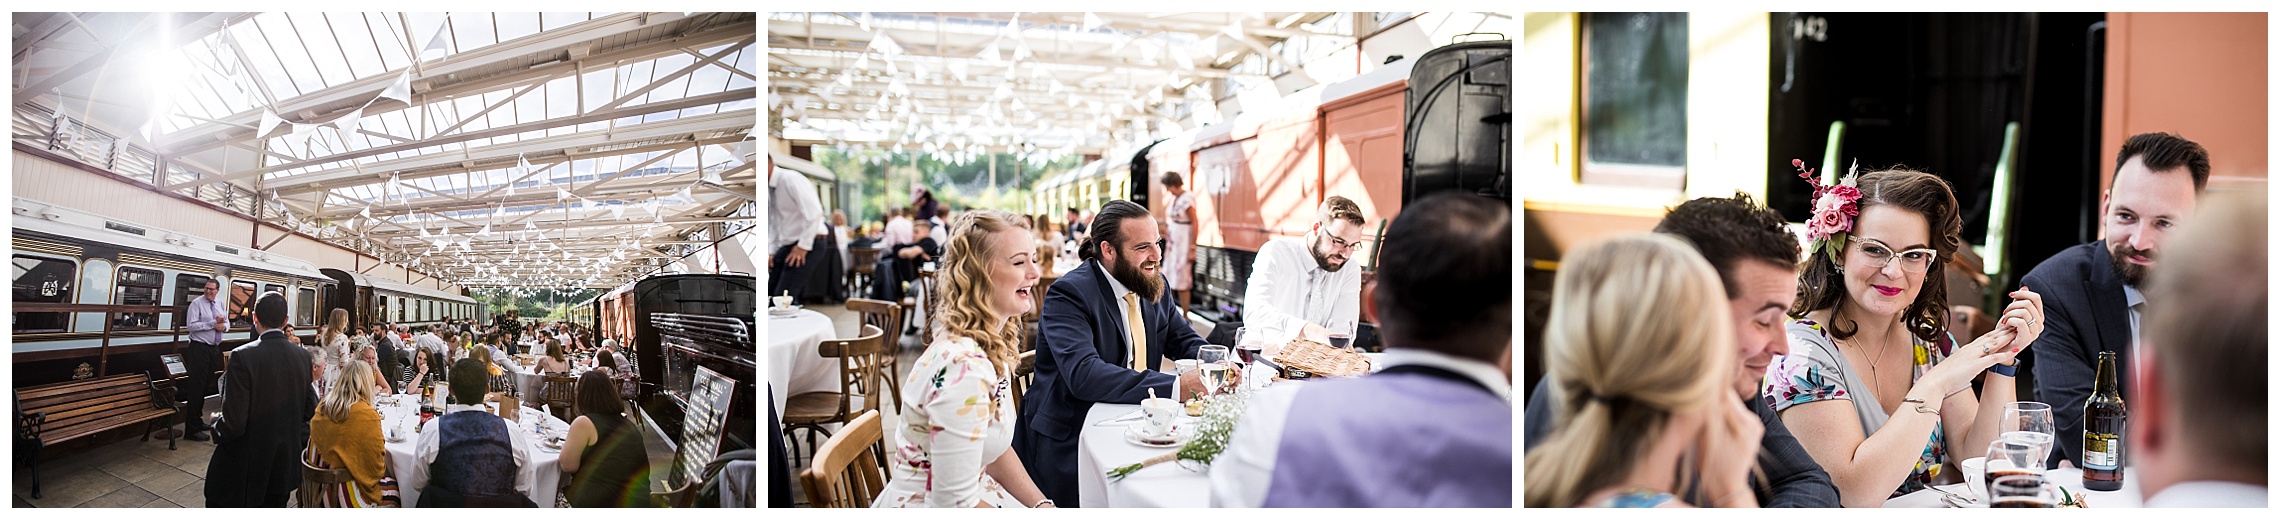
[[2003, 370], [1920, 405], [1957, 391], [1041, 503], [1721, 501]]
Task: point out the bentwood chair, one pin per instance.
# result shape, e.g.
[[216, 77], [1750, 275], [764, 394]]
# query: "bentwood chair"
[[862, 269], [887, 317], [1024, 372], [322, 486], [858, 391], [559, 393], [847, 470]]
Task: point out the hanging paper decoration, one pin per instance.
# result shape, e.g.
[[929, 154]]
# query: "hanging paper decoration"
[[438, 45], [561, 195], [269, 121], [1092, 22], [401, 90], [347, 122]]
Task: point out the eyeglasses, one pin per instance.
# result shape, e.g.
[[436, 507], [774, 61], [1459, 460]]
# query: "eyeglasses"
[[1880, 255], [1339, 244]]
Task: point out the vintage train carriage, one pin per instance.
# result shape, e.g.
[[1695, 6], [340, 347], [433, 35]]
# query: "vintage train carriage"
[[381, 300], [66, 256], [665, 361]]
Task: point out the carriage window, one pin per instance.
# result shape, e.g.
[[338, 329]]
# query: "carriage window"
[[242, 294], [42, 280], [308, 310], [188, 287], [137, 287], [1635, 87], [280, 290]]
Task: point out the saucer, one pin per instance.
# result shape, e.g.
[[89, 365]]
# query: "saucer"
[[1135, 435], [783, 311]]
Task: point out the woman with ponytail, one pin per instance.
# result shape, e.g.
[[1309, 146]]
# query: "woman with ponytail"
[[1640, 354]]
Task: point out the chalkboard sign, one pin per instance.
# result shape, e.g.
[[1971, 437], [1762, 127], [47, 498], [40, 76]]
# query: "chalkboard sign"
[[706, 416], [173, 365]]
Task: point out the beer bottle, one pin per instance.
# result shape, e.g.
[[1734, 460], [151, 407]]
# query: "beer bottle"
[[2104, 418]]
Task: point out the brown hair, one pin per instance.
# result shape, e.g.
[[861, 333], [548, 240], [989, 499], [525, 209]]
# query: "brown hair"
[[1170, 179], [966, 285], [2211, 338], [1822, 286], [2164, 151], [1728, 230], [597, 394], [1340, 208]]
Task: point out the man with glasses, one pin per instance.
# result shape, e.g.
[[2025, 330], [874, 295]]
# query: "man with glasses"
[[1301, 287]]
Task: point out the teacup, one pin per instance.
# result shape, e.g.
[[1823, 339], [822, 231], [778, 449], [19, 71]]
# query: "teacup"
[[782, 301], [1975, 475], [1161, 413]]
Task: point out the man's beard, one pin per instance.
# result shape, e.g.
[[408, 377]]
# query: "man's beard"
[[1148, 287], [2132, 274], [1323, 260]]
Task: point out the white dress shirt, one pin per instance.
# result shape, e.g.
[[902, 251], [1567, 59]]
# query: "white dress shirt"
[[898, 233], [1124, 308], [2211, 493], [1241, 474], [1287, 290], [795, 217], [434, 343], [431, 440]]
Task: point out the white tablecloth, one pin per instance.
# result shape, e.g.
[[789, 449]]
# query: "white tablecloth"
[[1101, 448], [2069, 478], [544, 469], [794, 367]]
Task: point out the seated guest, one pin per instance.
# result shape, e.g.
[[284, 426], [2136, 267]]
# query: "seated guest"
[[1872, 296], [428, 367], [1331, 444], [371, 357], [469, 457], [947, 454], [604, 452], [346, 434], [2096, 290], [1754, 254], [1639, 348], [1106, 328], [318, 368], [552, 363], [498, 380], [2197, 426], [1076, 227], [1300, 285]]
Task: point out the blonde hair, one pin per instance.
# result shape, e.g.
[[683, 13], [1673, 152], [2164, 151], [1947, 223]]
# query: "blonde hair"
[[1638, 330], [353, 387], [966, 286], [335, 325]]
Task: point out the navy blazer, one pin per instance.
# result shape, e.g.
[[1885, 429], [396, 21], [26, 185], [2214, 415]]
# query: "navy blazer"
[[1082, 359], [2085, 312]]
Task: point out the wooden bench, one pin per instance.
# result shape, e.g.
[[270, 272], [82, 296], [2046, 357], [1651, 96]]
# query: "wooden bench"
[[61, 412]]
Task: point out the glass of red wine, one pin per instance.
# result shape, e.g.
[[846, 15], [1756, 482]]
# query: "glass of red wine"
[[1341, 333], [2021, 491]]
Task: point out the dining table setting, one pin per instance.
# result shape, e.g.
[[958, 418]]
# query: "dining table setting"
[[404, 416]]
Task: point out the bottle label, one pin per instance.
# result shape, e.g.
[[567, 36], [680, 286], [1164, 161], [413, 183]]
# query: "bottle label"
[[2101, 451]]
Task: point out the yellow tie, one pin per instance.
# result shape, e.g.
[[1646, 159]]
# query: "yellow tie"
[[1132, 325]]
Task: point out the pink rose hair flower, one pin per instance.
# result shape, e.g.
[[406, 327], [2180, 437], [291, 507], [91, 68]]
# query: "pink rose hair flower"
[[1834, 206]]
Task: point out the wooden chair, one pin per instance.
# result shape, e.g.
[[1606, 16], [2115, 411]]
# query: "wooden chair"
[[847, 471], [1024, 371], [858, 391], [560, 394], [886, 317], [925, 290], [322, 486], [861, 269], [1030, 328]]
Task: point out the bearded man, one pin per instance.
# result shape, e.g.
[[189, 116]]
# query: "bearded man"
[[1106, 332], [1301, 286]]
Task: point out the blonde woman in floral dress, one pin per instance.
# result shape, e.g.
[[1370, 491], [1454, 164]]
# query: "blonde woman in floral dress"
[[955, 447]]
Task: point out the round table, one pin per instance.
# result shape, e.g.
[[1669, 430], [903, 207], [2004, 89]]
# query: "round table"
[[544, 467], [794, 366], [2070, 479], [1101, 446]]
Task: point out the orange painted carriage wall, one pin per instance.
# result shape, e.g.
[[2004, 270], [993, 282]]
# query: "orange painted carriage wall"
[[1361, 154], [2200, 75]]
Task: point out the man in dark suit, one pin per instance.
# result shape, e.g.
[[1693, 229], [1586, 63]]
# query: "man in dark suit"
[[2091, 291], [266, 405], [1752, 250], [1105, 328]]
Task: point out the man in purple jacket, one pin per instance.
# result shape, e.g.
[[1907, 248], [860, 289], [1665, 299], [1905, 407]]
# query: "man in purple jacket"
[[1434, 427]]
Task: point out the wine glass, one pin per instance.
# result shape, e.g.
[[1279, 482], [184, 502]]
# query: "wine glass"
[[2020, 491], [1341, 333], [2012, 455], [1214, 367], [2032, 421]]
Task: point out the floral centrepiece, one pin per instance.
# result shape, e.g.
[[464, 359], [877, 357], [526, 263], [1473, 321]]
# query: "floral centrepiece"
[[1834, 207], [1213, 430]]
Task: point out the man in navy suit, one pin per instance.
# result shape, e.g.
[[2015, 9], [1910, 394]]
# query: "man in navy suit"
[[1105, 328], [2091, 291]]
